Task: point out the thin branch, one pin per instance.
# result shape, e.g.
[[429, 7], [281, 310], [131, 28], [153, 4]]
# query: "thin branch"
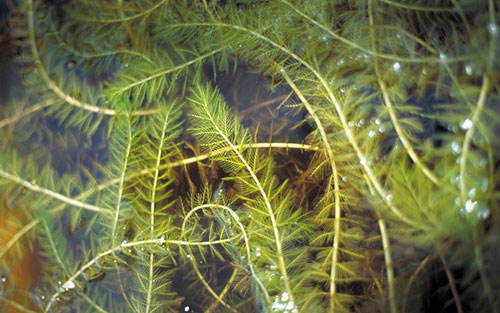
[[51, 193], [17, 236], [28, 111]]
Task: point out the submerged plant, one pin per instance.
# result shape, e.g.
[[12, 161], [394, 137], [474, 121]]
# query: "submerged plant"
[[360, 173]]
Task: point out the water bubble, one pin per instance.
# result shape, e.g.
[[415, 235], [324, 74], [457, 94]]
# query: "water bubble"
[[3, 279], [186, 308], [340, 62], [68, 285], [442, 57], [484, 184], [124, 242], [396, 66], [470, 205], [362, 161], [162, 240], [371, 133], [188, 256], [455, 147], [70, 65], [466, 124], [472, 192], [342, 89], [378, 121], [33, 182], [344, 178], [381, 129], [492, 29], [468, 69], [389, 197], [284, 296]]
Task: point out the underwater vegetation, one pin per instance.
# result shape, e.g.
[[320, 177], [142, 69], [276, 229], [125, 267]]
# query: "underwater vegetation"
[[251, 156]]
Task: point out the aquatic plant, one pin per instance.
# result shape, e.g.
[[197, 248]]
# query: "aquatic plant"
[[360, 173]]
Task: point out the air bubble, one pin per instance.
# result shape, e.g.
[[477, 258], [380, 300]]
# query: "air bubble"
[[362, 161], [396, 66], [442, 57], [378, 121], [371, 133], [187, 308], [70, 65], [162, 240], [470, 205], [344, 178], [492, 29], [284, 296], [3, 279], [455, 147], [468, 70], [381, 129], [389, 197], [68, 285], [466, 124]]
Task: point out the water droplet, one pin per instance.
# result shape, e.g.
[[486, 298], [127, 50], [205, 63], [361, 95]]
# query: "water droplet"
[[69, 285], [396, 66], [371, 133], [188, 256], [284, 296], [492, 29], [466, 124], [249, 215], [342, 89], [344, 178], [378, 121], [442, 57], [470, 205], [468, 69], [381, 129], [70, 65], [162, 240], [258, 254], [33, 182], [59, 282], [124, 242], [340, 62], [3, 279], [484, 184], [186, 308], [362, 161], [389, 197], [455, 147]]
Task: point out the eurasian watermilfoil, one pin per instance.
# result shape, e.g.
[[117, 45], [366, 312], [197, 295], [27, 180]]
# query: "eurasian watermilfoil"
[[355, 140]]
